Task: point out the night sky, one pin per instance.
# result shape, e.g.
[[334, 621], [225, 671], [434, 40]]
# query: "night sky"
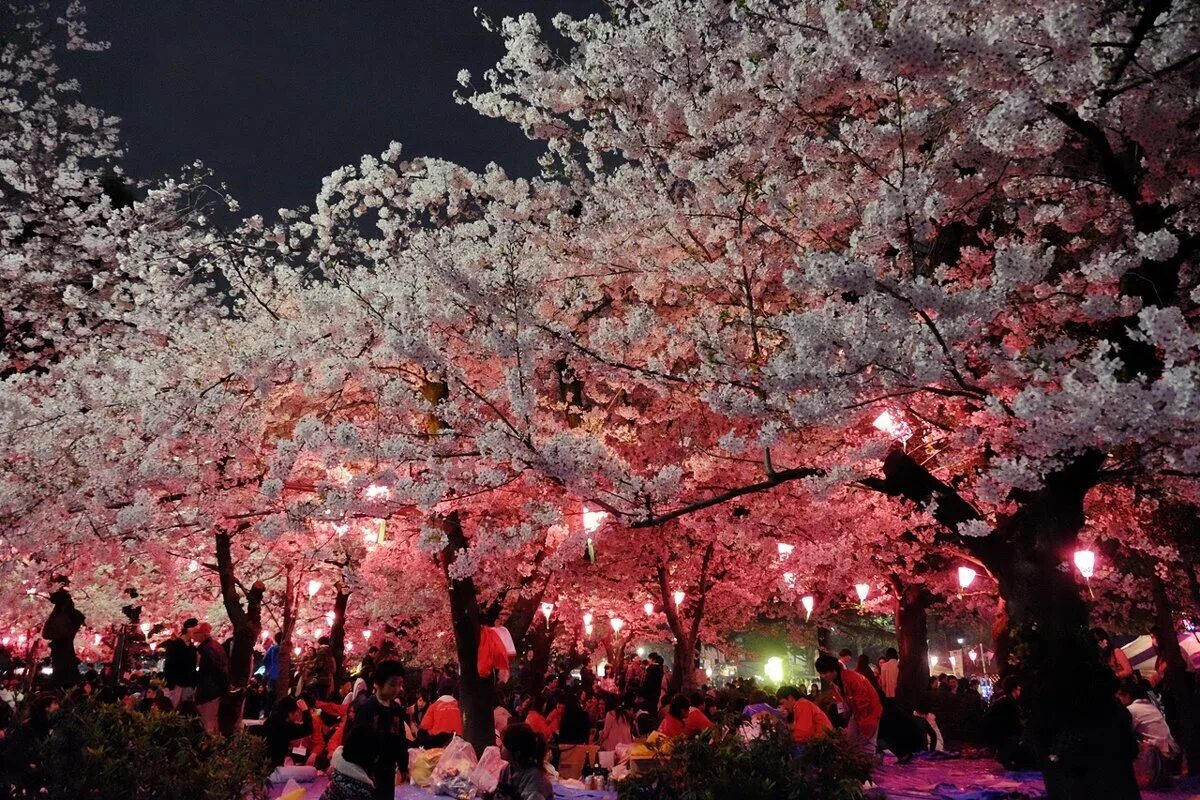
[[275, 94]]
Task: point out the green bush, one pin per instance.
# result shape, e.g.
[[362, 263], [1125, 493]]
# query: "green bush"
[[718, 765], [98, 751]]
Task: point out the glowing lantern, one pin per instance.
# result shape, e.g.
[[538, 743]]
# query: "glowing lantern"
[[587, 618], [773, 669], [966, 576], [862, 590], [265, 635], [809, 603], [330, 617], [95, 640], [153, 646], [316, 633], [1085, 562], [649, 607], [547, 610], [366, 635], [296, 651], [592, 519], [145, 626], [679, 598], [374, 492], [22, 639], [588, 629], [893, 425], [785, 550], [951, 662], [641, 651], [193, 565], [933, 661], [971, 654], [314, 586], [617, 623]]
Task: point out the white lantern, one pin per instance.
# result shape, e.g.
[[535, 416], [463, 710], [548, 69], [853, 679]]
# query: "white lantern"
[[809, 603], [592, 519], [547, 610], [649, 607], [785, 550], [330, 616], [587, 618], [862, 590], [314, 586], [966, 576], [1085, 562], [295, 651], [893, 425], [679, 598], [617, 624], [588, 629], [971, 654], [366, 635], [145, 626], [193, 565], [933, 661], [95, 640]]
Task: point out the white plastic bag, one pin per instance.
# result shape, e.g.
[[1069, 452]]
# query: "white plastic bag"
[[486, 774], [452, 775]]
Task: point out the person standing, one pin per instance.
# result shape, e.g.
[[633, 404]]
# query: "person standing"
[[60, 629], [859, 699], [889, 674], [212, 677], [271, 665], [179, 665], [383, 715], [652, 683]]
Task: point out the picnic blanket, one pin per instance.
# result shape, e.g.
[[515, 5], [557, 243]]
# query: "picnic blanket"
[[410, 792]]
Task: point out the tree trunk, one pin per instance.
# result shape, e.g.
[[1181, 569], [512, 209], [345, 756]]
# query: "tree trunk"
[[477, 695], [539, 641], [824, 639], [683, 679], [912, 632], [1175, 685], [285, 639], [337, 633], [247, 624]]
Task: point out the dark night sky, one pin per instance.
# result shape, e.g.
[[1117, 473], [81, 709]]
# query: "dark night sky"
[[275, 94]]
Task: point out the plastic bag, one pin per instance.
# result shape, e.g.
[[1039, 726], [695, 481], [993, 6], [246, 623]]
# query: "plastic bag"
[[421, 764], [293, 791], [486, 774], [451, 776]]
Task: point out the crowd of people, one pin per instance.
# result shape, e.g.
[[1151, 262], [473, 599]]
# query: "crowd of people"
[[357, 723]]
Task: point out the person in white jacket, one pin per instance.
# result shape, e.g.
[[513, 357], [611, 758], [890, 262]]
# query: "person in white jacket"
[[1159, 755]]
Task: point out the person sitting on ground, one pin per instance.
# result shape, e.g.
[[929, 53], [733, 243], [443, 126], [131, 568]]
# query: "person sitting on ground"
[[1158, 754], [286, 723], [537, 717], [673, 722], [351, 767], [573, 726], [698, 719], [442, 722], [808, 721], [524, 775], [1003, 726], [618, 727]]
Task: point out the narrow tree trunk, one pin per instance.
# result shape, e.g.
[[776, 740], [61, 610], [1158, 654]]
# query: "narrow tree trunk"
[[1175, 683], [285, 639], [912, 632], [824, 639], [683, 679], [337, 633], [539, 641], [477, 695], [247, 624]]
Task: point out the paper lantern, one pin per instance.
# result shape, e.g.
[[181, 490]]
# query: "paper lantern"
[[366, 634], [617, 624], [971, 654], [785, 550], [649, 609], [1085, 562], [966, 576], [316, 633], [193, 565], [679, 598], [547, 610], [95, 640], [862, 590], [933, 661], [808, 602], [314, 586], [587, 618], [592, 519], [893, 425], [145, 626]]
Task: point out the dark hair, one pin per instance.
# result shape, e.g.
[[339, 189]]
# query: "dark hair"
[[1101, 635], [323, 641], [827, 663], [845, 651], [361, 746], [1133, 687], [525, 747], [890, 654], [190, 623], [788, 691], [679, 706], [644, 723], [278, 637], [386, 670]]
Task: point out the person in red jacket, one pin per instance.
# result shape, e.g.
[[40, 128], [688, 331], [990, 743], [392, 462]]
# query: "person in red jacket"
[[808, 720], [858, 697]]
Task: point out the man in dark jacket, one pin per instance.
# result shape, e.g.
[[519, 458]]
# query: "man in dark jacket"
[[652, 684], [212, 679], [384, 716], [179, 665], [60, 629]]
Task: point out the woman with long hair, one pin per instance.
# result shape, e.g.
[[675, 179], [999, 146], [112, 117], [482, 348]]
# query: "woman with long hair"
[[524, 776], [618, 726], [1111, 655]]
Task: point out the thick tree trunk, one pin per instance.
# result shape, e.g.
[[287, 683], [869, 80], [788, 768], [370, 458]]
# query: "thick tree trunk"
[[683, 678], [912, 631], [247, 624], [1176, 684], [824, 639], [539, 641], [337, 633], [477, 695]]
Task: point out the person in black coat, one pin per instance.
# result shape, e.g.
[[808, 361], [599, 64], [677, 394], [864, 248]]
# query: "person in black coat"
[[286, 724], [179, 664], [60, 629], [383, 715], [652, 683]]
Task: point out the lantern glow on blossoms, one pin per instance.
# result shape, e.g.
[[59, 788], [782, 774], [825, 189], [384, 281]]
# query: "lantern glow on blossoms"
[[617, 624], [862, 590], [966, 576], [893, 425], [785, 550]]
